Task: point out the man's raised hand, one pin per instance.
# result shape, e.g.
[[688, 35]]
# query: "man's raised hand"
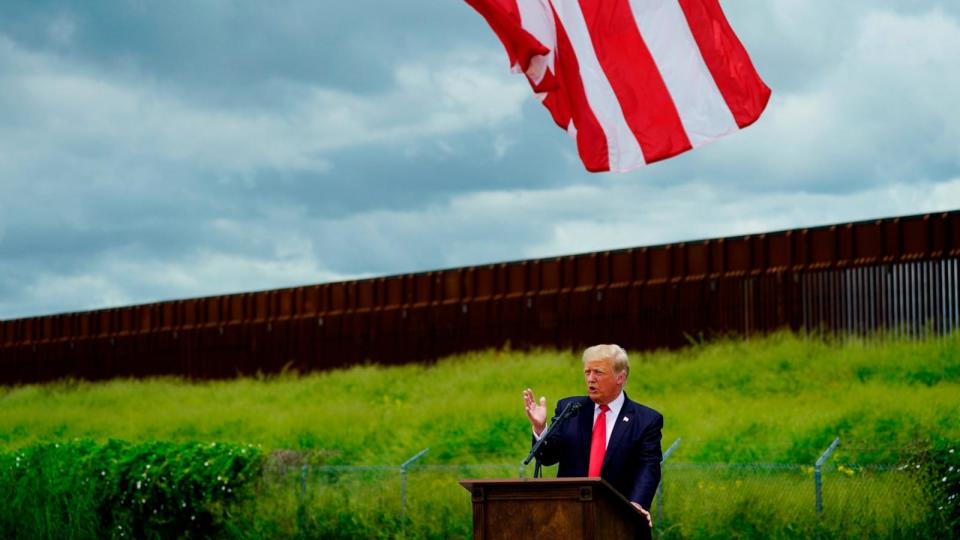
[[537, 413]]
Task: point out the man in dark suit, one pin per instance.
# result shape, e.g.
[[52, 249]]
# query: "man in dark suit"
[[610, 436]]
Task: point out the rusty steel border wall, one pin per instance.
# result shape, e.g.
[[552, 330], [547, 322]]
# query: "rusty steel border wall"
[[899, 274]]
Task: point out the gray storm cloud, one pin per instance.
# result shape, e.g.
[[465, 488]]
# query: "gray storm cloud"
[[148, 153]]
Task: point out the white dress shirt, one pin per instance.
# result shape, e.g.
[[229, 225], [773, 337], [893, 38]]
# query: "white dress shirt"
[[612, 415]]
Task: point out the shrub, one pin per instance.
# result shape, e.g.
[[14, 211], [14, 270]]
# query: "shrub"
[[84, 489], [944, 464]]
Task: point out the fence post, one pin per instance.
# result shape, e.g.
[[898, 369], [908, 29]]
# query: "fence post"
[[660, 494], [403, 480], [817, 481]]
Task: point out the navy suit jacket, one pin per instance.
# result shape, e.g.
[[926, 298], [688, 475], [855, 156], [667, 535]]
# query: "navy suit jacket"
[[631, 463]]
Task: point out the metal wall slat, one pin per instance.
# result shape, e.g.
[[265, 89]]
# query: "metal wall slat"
[[899, 274]]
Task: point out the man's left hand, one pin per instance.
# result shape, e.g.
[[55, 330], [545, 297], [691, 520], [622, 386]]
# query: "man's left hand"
[[644, 512]]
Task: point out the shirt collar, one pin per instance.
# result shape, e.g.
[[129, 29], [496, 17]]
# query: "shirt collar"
[[614, 405]]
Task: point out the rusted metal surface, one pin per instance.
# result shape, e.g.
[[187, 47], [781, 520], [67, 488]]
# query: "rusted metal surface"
[[901, 275]]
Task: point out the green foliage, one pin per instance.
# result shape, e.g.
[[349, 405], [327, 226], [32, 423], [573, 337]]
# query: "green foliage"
[[946, 482], [780, 399], [777, 502], [83, 489], [940, 466]]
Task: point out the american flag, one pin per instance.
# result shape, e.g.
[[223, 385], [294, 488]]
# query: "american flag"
[[633, 81]]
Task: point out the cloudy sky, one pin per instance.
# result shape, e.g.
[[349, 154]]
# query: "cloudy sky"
[[156, 150]]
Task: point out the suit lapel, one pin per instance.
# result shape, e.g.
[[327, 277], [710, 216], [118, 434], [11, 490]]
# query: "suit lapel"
[[620, 427], [585, 423]]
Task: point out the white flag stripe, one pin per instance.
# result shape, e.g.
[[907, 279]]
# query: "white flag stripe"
[[537, 19], [703, 112], [624, 152]]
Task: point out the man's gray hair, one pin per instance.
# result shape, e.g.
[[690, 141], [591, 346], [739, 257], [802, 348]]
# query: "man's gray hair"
[[614, 353]]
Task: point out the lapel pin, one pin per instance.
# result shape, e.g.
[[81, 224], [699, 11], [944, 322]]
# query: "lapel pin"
[[626, 419]]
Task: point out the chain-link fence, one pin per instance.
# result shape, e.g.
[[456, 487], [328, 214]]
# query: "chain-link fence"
[[766, 500], [420, 501], [696, 500], [832, 496]]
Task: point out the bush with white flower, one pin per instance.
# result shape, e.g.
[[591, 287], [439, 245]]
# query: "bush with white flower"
[[946, 481]]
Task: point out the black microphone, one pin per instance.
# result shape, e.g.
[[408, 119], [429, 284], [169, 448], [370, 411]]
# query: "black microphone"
[[571, 410]]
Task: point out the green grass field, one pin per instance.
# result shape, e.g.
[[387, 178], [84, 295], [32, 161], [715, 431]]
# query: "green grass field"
[[779, 399]]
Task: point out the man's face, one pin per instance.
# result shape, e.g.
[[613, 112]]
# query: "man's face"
[[603, 385]]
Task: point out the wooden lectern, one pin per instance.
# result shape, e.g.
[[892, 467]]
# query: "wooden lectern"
[[552, 508]]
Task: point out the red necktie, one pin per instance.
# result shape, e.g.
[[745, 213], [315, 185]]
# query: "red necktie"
[[598, 443]]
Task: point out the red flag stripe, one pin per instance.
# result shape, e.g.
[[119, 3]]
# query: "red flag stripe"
[[591, 140], [732, 70], [624, 151], [537, 19], [504, 17], [635, 79], [702, 109]]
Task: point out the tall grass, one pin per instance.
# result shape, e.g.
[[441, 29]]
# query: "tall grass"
[[778, 502], [779, 399], [81, 490]]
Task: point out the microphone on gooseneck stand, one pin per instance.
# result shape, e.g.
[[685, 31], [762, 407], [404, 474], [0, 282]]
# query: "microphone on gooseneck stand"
[[571, 410], [568, 411]]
